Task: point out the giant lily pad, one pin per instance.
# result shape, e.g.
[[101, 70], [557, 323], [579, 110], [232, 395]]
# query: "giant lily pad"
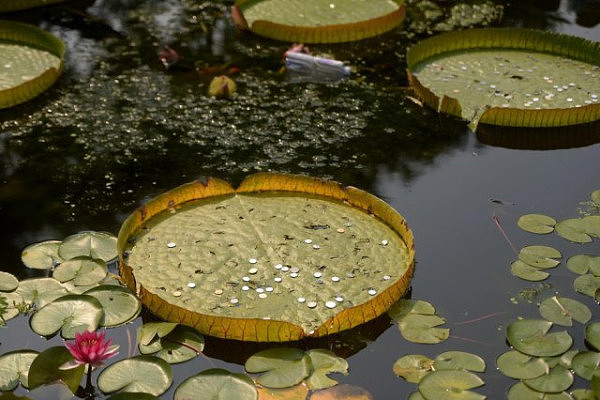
[[144, 374], [70, 314], [217, 384], [530, 336], [14, 367], [509, 77], [31, 61], [279, 258], [316, 21]]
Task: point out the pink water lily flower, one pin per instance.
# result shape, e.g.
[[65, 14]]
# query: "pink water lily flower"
[[90, 348]]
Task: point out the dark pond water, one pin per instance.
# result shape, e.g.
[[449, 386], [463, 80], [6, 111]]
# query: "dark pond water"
[[118, 129]]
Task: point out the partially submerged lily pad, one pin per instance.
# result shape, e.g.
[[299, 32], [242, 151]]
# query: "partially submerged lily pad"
[[315, 21], [587, 284], [31, 61], [509, 77], [592, 334], [280, 258]]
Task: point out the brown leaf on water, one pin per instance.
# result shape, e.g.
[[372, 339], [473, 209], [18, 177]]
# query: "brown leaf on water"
[[298, 392], [342, 392]]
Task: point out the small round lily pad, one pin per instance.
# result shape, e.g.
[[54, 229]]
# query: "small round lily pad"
[[42, 255], [520, 391], [586, 364], [450, 385], [587, 284], [459, 360], [281, 367], [413, 367], [217, 384], [71, 314], [562, 311], [14, 367], [595, 196], [119, 304], [82, 271], [542, 257], [584, 263], [530, 336], [536, 223], [323, 363], [8, 282], [592, 334], [100, 245], [180, 345], [144, 374], [517, 365], [557, 380], [527, 272]]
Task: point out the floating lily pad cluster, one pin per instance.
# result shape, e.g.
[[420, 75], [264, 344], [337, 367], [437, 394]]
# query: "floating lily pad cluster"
[[508, 77], [31, 60], [79, 296], [319, 21], [279, 258]]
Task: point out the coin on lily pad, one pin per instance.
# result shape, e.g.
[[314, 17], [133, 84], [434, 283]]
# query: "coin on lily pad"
[[31, 61], [216, 383], [14, 368], [315, 21], [280, 258], [508, 77], [42, 255]]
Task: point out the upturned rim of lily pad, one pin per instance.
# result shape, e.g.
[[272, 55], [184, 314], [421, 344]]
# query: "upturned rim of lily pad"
[[27, 35], [324, 33], [265, 329], [533, 40]]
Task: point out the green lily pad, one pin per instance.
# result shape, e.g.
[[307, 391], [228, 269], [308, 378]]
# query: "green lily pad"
[[542, 257], [592, 334], [517, 365], [40, 291], [324, 362], [527, 272], [43, 255], [557, 380], [508, 77], [573, 229], [144, 374], [595, 196], [564, 359], [181, 344], [319, 22], [14, 367], [13, 5], [8, 282], [563, 311], [586, 364], [536, 223], [413, 367], [591, 224], [133, 396], [148, 332], [281, 367], [583, 394], [459, 360], [530, 336], [520, 391], [415, 396], [422, 328], [119, 304], [403, 307], [12, 300], [450, 385], [584, 263], [70, 314], [217, 384], [587, 284], [258, 263], [45, 369], [90, 244], [83, 271], [31, 59]]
